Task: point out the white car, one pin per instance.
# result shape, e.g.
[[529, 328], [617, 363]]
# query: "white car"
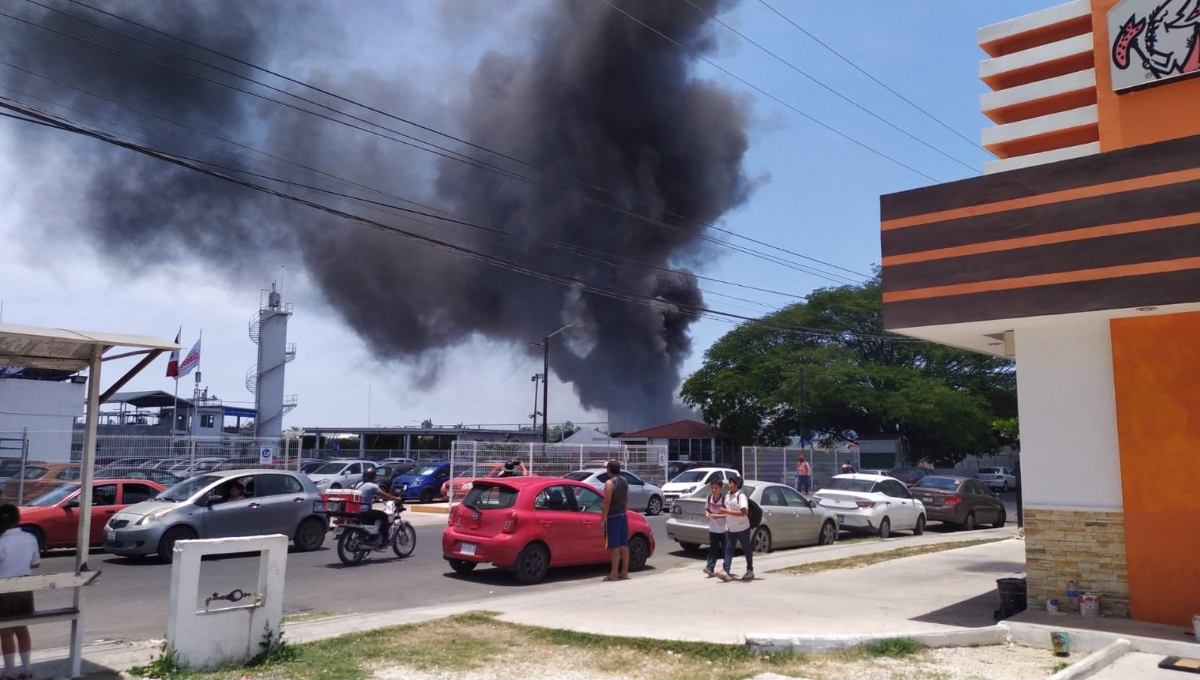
[[874, 504], [340, 474], [686, 482], [997, 477]]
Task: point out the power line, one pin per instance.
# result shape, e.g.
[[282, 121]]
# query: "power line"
[[841, 96], [877, 81], [580, 251], [456, 156], [763, 92], [504, 263]]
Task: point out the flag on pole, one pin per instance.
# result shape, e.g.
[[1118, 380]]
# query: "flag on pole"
[[173, 363], [190, 362]]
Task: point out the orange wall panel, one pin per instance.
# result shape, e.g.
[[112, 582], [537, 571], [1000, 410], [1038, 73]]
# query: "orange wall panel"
[[1154, 114], [1156, 373]]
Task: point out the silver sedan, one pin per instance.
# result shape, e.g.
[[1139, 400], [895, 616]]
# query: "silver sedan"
[[788, 519], [643, 496], [267, 502]]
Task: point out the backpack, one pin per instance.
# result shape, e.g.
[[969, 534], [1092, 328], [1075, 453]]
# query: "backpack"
[[754, 512]]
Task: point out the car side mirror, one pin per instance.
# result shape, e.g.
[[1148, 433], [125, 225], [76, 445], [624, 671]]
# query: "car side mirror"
[[213, 499], [70, 504]]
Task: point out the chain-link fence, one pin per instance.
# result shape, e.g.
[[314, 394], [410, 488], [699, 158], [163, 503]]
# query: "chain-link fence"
[[33, 463], [472, 460], [778, 464]]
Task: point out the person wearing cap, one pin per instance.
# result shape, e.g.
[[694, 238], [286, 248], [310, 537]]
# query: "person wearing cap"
[[803, 475]]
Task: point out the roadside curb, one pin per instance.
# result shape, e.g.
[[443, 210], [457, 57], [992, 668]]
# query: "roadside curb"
[[971, 637], [1086, 641], [435, 509], [1094, 662]]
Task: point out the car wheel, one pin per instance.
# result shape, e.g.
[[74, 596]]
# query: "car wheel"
[[828, 534], [760, 542], [310, 535], [463, 566], [969, 523], [885, 528], [427, 496], [920, 528], [532, 564], [166, 544], [39, 535], [655, 506], [405, 541], [639, 553], [1001, 519]]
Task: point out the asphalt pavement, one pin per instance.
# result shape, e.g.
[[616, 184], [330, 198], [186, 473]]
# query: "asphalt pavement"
[[130, 602]]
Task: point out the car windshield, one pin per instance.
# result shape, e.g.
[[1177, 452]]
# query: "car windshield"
[[34, 472], [578, 476], [850, 484], [206, 465], [690, 477], [490, 497], [942, 483], [185, 490], [329, 469], [51, 498], [424, 471], [989, 471]]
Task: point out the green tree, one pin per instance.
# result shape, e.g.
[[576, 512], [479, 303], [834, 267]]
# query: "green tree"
[[857, 381]]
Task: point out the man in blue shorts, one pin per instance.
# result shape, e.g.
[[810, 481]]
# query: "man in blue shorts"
[[616, 522]]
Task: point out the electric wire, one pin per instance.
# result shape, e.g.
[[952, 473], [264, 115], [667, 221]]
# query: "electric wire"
[[518, 267], [831, 90], [417, 142]]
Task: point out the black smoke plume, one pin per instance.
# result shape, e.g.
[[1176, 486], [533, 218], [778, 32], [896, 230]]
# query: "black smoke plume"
[[598, 108]]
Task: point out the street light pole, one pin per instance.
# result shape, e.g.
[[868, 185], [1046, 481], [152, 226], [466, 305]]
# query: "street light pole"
[[536, 377], [546, 380]]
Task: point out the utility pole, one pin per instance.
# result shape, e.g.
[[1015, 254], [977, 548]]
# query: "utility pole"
[[536, 377], [546, 390], [802, 431]]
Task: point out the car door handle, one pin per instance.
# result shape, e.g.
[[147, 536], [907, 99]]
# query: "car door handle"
[[110, 512], [546, 522], [255, 505], [297, 500]]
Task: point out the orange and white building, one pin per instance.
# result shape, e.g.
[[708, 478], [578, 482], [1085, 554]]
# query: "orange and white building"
[[1077, 253]]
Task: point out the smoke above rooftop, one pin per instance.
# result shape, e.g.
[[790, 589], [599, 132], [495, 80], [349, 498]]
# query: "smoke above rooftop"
[[625, 156]]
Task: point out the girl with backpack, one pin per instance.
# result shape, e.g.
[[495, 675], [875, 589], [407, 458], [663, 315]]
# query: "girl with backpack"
[[714, 510], [737, 519]]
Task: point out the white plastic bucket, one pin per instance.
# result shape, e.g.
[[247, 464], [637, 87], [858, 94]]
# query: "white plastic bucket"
[[1089, 605]]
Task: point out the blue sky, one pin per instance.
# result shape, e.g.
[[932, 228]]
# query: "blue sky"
[[819, 197]]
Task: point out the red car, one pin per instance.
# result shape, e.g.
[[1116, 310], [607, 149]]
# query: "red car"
[[53, 517], [530, 524], [463, 482]]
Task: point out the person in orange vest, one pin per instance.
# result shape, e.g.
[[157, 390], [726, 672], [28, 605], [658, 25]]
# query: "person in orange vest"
[[803, 475]]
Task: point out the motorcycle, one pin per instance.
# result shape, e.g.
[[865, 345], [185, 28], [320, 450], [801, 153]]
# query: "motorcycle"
[[354, 543]]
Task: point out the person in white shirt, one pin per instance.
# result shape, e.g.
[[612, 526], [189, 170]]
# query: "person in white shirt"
[[737, 530], [19, 556], [714, 506]]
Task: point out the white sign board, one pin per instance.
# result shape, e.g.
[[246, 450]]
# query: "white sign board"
[[1153, 41], [264, 455]]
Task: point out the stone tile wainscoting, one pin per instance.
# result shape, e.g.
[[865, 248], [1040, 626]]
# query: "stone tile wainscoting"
[[1089, 547]]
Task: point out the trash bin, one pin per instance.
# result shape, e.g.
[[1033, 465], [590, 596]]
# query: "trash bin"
[[1012, 593]]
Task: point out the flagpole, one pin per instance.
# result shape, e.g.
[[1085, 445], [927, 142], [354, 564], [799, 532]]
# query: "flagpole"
[[175, 407]]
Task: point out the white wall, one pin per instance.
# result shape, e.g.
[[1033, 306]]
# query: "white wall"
[[1070, 457], [48, 409]]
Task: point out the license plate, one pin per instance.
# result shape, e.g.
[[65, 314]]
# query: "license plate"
[[467, 549], [112, 535], [926, 499]]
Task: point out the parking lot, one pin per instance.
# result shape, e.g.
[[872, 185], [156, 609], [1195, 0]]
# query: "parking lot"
[[130, 602]]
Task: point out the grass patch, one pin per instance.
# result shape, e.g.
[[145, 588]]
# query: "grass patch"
[[308, 616], [1061, 665], [477, 640], [875, 558]]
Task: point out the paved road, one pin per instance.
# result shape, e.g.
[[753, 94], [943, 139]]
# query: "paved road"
[[130, 602]]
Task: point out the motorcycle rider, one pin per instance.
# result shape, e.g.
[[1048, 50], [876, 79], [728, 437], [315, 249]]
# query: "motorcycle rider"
[[369, 515]]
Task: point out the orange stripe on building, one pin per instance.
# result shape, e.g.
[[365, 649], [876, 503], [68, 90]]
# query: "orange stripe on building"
[[1117, 229], [1047, 199], [1119, 271]]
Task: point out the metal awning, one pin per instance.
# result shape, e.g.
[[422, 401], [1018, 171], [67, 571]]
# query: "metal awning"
[[61, 349]]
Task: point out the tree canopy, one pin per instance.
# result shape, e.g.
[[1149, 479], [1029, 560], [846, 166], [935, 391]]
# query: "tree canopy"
[[858, 381]]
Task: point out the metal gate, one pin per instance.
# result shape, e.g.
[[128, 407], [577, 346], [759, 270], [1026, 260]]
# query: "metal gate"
[[778, 464]]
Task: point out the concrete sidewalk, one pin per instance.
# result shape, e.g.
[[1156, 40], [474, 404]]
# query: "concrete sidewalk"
[[940, 591]]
